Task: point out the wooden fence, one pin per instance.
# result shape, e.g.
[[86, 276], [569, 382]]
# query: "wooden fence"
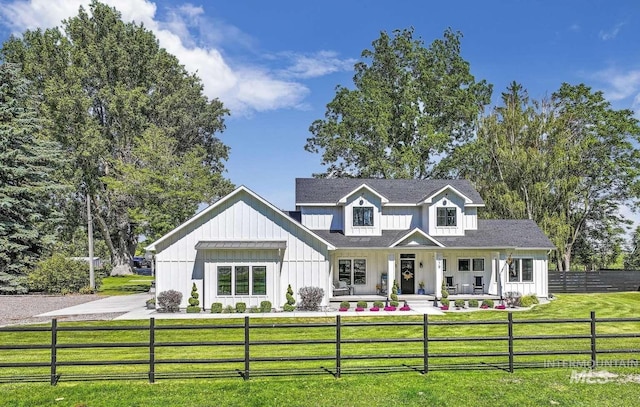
[[244, 349], [594, 281]]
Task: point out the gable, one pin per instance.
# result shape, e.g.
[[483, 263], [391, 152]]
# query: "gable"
[[416, 237]]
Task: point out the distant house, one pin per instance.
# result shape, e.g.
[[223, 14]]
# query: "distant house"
[[363, 232], [97, 261]]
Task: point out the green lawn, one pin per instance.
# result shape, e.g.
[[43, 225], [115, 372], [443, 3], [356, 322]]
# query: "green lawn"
[[123, 285], [477, 387]]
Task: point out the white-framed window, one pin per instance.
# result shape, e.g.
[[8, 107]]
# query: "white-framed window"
[[242, 280], [521, 271], [475, 264], [446, 217], [363, 216], [444, 264], [353, 271]]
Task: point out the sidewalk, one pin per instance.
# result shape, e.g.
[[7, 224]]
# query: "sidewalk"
[[116, 303]]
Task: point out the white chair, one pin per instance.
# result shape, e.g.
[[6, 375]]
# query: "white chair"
[[342, 289]]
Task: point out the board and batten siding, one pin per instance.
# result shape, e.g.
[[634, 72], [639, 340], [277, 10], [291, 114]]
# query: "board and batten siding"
[[400, 217], [304, 262], [322, 217]]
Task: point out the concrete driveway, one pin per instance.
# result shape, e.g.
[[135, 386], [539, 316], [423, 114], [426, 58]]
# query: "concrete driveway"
[[117, 303]]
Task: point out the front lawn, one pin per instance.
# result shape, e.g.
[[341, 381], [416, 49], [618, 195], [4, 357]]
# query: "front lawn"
[[123, 285]]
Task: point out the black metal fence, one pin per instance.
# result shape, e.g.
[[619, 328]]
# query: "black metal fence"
[[594, 281], [335, 347]]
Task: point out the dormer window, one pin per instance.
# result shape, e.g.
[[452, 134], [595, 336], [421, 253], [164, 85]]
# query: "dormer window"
[[363, 216], [446, 217]]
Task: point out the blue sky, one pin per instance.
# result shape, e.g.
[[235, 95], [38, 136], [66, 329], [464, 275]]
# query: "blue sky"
[[276, 64]]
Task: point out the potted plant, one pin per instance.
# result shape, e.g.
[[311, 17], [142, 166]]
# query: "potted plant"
[[487, 303], [421, 289], [378, 288], [444, 304], [376, 306], [344, 306], [361, 305], [151, 303], [405, 307]]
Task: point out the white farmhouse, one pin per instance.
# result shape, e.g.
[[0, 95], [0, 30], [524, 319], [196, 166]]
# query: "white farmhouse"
[[361, 234]]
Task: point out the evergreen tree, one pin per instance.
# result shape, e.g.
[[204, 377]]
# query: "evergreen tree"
[[27, 212]]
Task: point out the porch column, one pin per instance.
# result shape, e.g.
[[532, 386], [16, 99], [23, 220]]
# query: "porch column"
[[391, 273], [439, 277]]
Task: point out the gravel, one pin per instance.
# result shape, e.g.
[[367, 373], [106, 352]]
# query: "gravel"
[[22, 309]]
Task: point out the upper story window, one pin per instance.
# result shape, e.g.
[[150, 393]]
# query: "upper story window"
[[363, 216], [446, 217]]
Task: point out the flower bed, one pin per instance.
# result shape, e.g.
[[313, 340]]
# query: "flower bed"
[[389, 308]]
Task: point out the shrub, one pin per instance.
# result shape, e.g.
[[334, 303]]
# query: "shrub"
[[444, 302], [378, 304], [310, 298], [254, 309], [444, 291], [194, 303], [528, 300], [229, 309], [60, 275], [151, 303], [362, 304], [289, 306], [473, 303], [394, 303], [216, 308], [345, 305], [459, 303], [169, 301], [488, 303], [513, 298], [265, 306], [241, 307], [13, 284]]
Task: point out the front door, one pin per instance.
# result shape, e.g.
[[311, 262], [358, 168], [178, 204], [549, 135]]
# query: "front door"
[[407, 276]]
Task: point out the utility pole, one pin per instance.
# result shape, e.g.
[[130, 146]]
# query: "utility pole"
[[92, 279]]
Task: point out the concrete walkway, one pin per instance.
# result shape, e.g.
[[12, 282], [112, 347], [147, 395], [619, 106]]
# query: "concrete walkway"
[[134, 307]]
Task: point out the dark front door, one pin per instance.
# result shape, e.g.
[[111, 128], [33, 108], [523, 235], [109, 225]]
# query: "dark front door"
[[407, 276]]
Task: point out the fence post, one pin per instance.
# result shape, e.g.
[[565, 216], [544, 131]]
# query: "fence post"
[[246, 348], [152, 350], [593, 341], [510, 319], [338, 356], [54, 344], [425, 343]]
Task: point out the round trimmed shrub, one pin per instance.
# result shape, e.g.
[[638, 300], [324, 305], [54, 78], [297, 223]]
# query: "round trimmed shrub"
[[216, 308], [473, 303], [265, 306], [345, 305], [488, 302], [459, 303], [362, 304], [445, 302], [378, 304], [241, 307]]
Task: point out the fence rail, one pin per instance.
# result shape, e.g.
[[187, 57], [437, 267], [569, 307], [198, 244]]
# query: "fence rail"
[[594, 281], [336, 347]]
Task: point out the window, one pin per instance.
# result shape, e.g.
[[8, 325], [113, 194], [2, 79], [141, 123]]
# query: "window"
[[242, 280], [259, 280], [363, 216], [224, 280], [521, 270], [444, 264], [514, 271], [353, 271], [478, 264], [446, 217], [464, 265], [237, 283]]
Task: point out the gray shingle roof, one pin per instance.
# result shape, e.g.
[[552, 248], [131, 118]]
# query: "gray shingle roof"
[[490, 234], [409, 191]]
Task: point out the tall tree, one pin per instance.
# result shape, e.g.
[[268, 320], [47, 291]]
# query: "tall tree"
[[568, 163], [410, 105], [27, 163], [107, 86], [632, 258]]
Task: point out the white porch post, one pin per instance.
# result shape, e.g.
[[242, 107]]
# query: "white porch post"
[[438, 260], [391, 272], [330, 279]]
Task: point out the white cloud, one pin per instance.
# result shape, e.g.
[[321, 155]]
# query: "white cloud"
[[610, 34], [620, 85], [243, 88]]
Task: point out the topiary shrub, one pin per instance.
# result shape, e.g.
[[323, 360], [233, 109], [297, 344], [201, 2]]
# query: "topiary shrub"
[[194, 303], [290, 305], [265, 306], [443, 290], [459, 303], [394, 303], [445, 302], [378, 304], [344, 305], [216, 308], [310, 298], [528, 300], [60, 275], [362, 304], [169, 301], [473, 303], [241, 307], [394, 291], [488, 303]]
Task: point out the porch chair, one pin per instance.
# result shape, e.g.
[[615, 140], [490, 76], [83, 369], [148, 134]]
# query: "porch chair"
[[478, 285], [342, 289], [451, 288]]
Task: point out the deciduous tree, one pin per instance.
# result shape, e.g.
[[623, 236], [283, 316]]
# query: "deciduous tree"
[[139, 131]]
